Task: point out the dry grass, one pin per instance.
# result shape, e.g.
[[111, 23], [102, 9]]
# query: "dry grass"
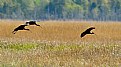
[[58, 44]]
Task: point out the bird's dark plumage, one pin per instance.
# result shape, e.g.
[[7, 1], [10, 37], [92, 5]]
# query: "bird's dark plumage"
[[21, 27], [32, 23], [88, 31]]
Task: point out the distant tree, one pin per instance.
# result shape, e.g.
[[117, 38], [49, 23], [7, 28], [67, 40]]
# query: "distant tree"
[[61, 9]]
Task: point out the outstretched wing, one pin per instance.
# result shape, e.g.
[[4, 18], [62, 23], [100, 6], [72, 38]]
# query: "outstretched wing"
[[89, 29], [83, 34], [21, 26]]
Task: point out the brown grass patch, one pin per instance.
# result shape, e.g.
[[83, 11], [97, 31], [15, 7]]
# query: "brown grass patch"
[[59, 44], [62, 31]]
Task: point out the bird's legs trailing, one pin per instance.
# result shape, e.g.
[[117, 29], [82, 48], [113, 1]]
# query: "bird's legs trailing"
[[27, 30]]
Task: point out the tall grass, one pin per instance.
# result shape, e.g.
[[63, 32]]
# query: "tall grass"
[[58, 44]]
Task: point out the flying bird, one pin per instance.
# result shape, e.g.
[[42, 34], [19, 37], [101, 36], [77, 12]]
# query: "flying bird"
[[88, 31], [21, 27], [32, 22]]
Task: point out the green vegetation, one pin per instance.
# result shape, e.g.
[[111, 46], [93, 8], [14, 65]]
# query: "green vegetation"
[[48, 54], [61, 9], [19, 46], [59, 44]]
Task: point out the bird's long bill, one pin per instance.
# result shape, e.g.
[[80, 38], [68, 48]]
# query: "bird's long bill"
[[40, 26], [30, 31], [95, 34]]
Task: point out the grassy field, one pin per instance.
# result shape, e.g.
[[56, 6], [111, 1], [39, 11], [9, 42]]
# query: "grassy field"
[[58, 44]]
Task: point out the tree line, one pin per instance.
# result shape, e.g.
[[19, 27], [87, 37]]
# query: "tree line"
[[102, 10]]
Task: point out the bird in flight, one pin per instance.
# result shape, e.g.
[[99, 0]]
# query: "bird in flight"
[[88, 31], [32, 22], [21, 27]]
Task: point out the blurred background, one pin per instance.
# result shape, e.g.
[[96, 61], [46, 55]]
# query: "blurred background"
[[99, 10]]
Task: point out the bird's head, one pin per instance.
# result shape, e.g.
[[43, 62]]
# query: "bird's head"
[[27, 23]]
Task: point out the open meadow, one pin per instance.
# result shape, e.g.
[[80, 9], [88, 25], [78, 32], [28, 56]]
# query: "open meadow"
[[58, 44]]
